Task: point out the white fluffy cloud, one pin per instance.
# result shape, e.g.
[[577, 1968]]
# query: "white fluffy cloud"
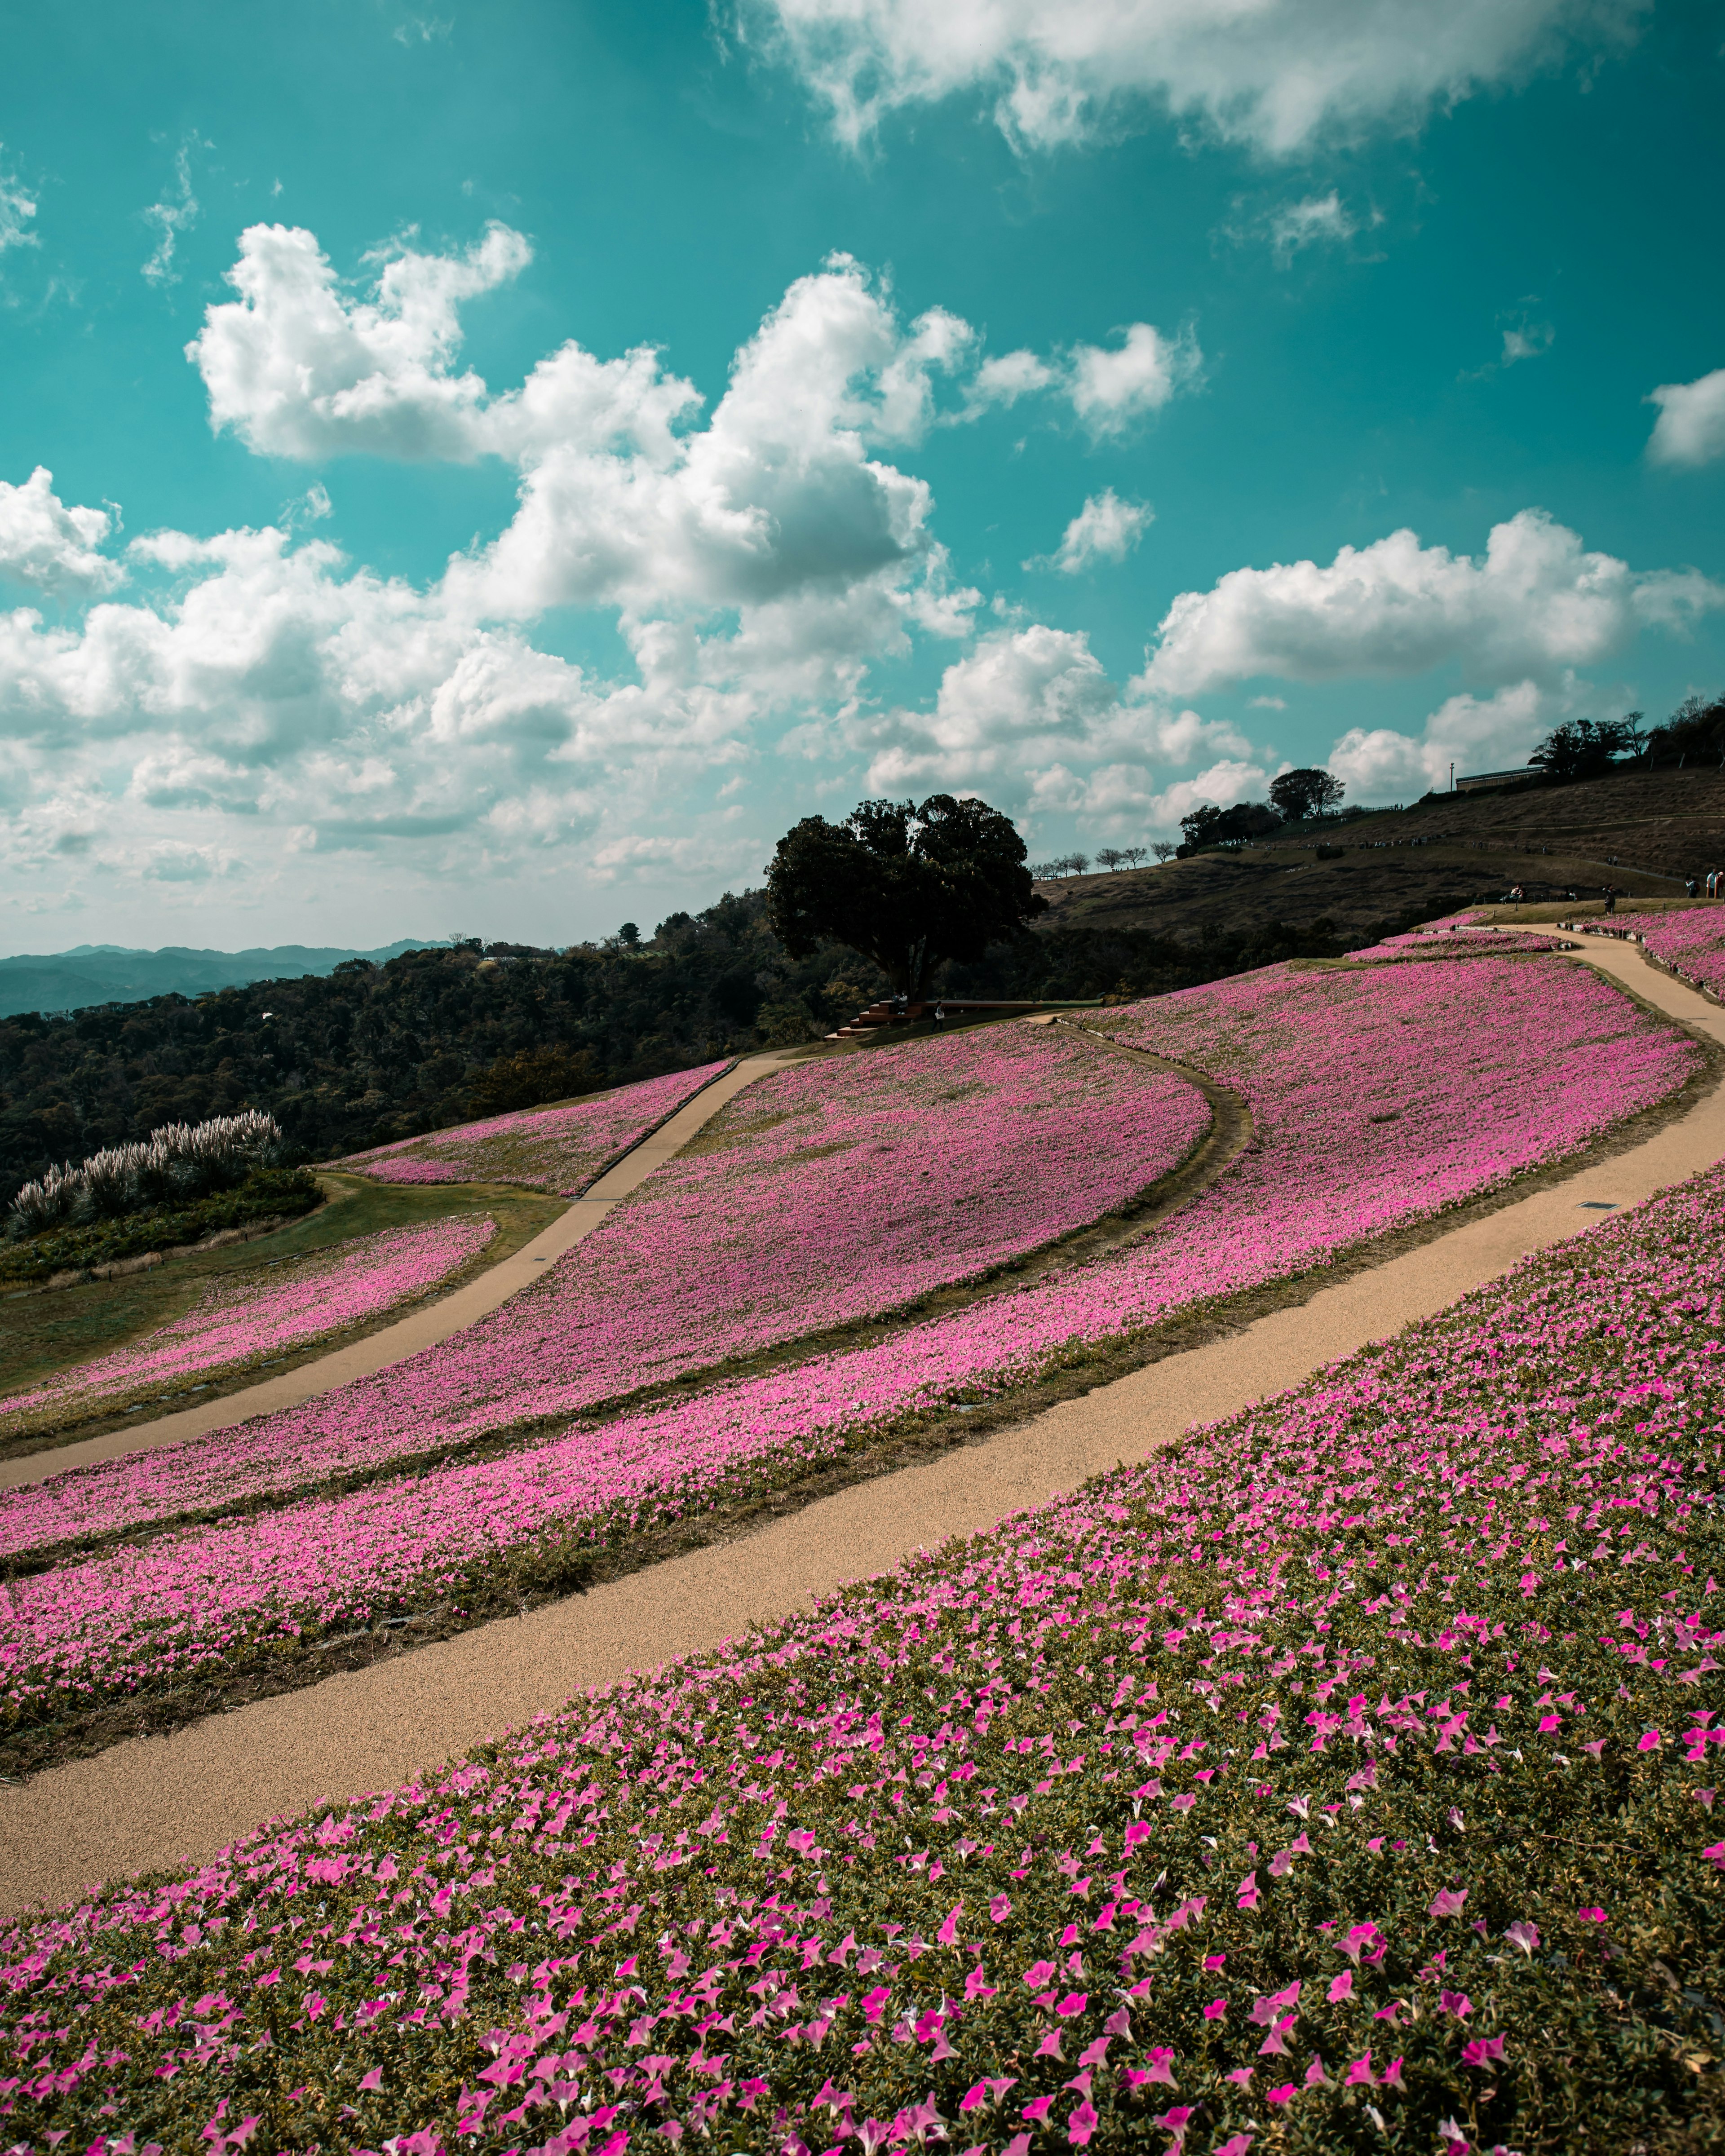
[[297, 370], [758, 561], [1271, 73], [1019, 691], [1534, 604], [1110, 389], [1691, 426], [46, 544], [297, 367], [1106, 529], [1023, 705], [1474, 733]]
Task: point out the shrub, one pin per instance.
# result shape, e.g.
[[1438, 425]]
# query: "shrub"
[[265, 1192], [181, 1161]]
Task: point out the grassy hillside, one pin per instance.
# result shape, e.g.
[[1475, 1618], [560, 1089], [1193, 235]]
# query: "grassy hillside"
[[1644, 832]]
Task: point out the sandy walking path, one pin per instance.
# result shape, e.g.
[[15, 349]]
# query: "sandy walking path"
[[425, 1327], [161, 1801]]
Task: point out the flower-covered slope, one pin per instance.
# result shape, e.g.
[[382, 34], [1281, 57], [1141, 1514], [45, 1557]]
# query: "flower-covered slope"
[[1438, 941], [1691, 941], [248, 1317], [1379, 1097], [822, 1193], [560, 1150], [1342, 1777]]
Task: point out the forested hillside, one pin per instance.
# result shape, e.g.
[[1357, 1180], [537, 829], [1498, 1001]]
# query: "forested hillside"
[[376, 1052]]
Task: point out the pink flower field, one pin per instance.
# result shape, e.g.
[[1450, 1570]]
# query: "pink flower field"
[[1692, 943], [250, 1316], [1380, 1096], [1441, 940], [824, 1193], [560, 1150], [1085, 1833]]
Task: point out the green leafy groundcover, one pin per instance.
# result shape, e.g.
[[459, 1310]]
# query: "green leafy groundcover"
[[1340, 1779], [265, 1192]]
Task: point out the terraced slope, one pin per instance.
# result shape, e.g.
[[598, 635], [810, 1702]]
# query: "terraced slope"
[[1382, 1095], [1343, 1777]]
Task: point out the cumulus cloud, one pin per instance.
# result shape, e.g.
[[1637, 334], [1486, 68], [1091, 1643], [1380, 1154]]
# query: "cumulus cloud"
[[296, 369], [1273, 74], [1110, 390], [1013, 375], [1534, 604], [1106, 529], [1691, 426], [46, 544], [1017, 692], [758, 561], [1019, 709], [298, 366], [1474, 733]]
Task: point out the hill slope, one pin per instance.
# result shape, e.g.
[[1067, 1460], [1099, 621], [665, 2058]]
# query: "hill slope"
[[1642, 831], [107, 973]]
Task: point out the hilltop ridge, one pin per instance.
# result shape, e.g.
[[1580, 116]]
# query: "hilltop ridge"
[[1644, 832]]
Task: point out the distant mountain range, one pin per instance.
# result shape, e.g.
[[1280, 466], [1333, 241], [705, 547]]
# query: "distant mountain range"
[[110, 973]]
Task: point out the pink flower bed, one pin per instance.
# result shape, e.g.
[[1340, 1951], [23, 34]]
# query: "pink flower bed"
[[1441, 940], [264, 1311], [824, 1193], [562, 1150], [1110, 1778], [1379, 1097], [1691, 942]]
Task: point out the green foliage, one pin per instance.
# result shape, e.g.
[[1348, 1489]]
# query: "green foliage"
[[906, 885], [1296, 795], [266, 1193], [1210, 826], [1694, 734], [530, 1075], [1580, 748]]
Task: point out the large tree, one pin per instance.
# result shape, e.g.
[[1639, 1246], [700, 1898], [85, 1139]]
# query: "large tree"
[[1211, 826], [1580, 748], [906, 883], [1299, 794]]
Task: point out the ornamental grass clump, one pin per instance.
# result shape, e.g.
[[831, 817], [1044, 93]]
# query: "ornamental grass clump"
[[177, 1164], [264, 1312], [560, 1150], [1342, 1777]]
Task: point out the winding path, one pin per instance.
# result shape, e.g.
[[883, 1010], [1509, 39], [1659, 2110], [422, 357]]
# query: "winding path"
[[426, 1327], [156, 1802]]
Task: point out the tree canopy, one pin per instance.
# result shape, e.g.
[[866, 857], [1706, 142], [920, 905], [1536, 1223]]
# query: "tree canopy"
[[1583, 748], [905, 883], [1211, 826], [1299, 794]]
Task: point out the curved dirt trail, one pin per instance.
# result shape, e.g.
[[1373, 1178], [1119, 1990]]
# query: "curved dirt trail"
[[437, 1322], [160, 1801]]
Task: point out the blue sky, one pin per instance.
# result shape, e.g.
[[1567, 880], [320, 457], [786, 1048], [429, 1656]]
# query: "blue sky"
[[508, 465]]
